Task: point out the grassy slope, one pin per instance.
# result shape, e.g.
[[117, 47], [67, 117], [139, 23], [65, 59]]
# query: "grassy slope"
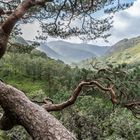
[[26, 84], [125, 51], [129, 56]]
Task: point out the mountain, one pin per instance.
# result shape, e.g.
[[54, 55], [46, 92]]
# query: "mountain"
[[124, 44], [130, 55], [72, 52], [124, 51], [65, 51], [19, 40], [75, 53], [61, 46], [50, 52]]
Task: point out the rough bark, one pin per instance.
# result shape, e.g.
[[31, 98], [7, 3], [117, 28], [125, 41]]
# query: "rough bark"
[[74, 96], [7, 26], [3, 42], [19, 110]]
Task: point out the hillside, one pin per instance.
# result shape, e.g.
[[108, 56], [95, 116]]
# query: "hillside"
[[129, 56], [124, 44], [124, 51], [39, 76], [50, 52]]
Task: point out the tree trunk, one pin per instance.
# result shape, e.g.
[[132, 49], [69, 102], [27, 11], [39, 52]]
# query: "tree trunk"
[[19, 110]]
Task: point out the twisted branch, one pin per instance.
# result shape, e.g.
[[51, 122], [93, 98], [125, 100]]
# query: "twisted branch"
[[74, 96], [134, 106]]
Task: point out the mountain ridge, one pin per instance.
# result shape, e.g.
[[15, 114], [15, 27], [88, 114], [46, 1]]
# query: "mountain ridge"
[[75, 53], [125, 51], [124, 44]]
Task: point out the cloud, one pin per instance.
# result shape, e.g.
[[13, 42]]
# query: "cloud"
[[126, 23], [29, 31]]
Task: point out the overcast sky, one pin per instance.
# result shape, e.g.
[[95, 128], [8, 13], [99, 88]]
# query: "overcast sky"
[[126, 25]]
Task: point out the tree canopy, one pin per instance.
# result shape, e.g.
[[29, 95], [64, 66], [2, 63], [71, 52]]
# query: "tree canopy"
[[66, 18]]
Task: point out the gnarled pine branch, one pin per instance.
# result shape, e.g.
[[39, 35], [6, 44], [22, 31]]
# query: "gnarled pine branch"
[[73, 98]]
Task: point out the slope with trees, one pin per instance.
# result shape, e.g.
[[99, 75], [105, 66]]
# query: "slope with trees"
[[92, 111]]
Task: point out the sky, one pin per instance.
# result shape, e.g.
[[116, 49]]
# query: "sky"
[[126, 25]]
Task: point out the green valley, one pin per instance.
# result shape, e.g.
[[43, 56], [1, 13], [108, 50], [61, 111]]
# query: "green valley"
[[39, 76]]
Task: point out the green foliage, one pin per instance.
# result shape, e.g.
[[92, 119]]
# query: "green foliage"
[[92, 116], [121, 125]]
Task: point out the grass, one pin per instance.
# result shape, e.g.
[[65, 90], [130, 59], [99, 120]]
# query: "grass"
[[129, 56], [27, 85]]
